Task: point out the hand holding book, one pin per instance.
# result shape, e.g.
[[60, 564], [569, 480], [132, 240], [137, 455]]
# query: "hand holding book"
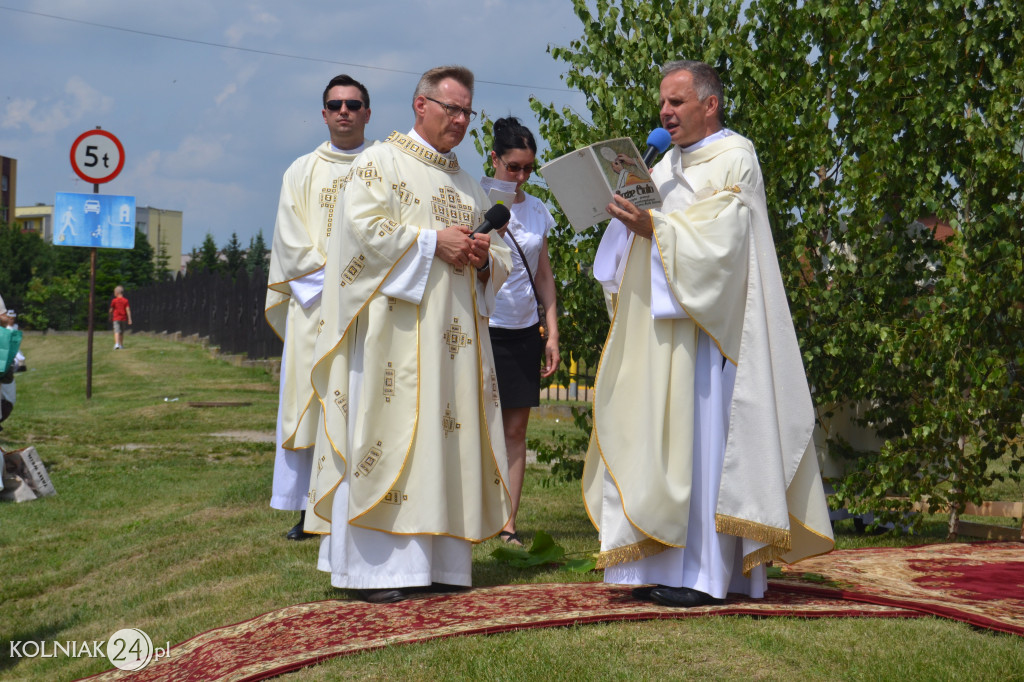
[[584, 181]]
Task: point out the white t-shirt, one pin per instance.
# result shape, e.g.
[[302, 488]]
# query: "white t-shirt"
[[516, 306]]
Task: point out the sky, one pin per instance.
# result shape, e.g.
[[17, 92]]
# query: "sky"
[[213, 100]]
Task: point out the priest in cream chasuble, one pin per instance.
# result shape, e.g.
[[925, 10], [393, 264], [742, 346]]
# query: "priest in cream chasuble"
[[701, 467], [307, 212], [405, 372]]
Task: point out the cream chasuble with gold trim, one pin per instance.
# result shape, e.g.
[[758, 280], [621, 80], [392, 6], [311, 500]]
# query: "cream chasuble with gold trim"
[[424, 452], [714, 244], [306, 214]]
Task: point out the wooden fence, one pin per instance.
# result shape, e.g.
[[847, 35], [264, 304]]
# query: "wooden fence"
[[228, 310]]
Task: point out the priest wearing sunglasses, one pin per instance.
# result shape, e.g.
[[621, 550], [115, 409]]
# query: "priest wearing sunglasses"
[[307, 212]]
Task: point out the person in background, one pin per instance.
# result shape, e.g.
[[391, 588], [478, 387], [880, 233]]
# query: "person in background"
[[8, 388], [121, 315], [521, 355], [307, 212]]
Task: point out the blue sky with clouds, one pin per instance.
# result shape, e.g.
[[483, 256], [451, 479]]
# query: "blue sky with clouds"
[[213, 100]]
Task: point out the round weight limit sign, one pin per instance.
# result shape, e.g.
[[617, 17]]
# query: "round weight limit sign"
[[97, 156]]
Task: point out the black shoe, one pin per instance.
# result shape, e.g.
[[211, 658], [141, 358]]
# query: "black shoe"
[[683, 597], [298, 531], [644, 593], [510, 537], [443, 588], [387, 596]]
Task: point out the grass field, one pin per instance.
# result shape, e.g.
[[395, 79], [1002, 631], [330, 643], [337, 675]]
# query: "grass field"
[[161, 522]]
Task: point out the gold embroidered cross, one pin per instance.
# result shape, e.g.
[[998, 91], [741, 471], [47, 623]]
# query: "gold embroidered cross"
[[389, 383], [367, 173], [449, 209], [456, 338], [369, 461], [329, 199], [448, 422], [352, 270], [494, 389], [405, 195]]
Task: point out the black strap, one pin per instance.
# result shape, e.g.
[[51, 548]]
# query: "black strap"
[[527, 266]]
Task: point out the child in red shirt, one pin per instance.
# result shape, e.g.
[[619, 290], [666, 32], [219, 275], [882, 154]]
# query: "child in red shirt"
[[120, 312]]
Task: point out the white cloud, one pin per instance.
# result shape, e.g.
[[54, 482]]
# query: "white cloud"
[[194, 154], [224, 94], [54, 114], [85, 99], [149, 165], [17, 112], [246, 74], [259, 23]]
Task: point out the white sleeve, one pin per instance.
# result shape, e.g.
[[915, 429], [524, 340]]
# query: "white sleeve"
[[308, 288], [610, 261], [664, 305], [408, 279]]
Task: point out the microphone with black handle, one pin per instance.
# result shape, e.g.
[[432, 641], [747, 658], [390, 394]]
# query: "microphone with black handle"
[[494, 219], [657, 142]]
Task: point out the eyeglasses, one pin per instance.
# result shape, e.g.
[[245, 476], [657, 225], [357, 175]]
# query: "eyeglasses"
[[516, 168], [352, 104], [453, 110]]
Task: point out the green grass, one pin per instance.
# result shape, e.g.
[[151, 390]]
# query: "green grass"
[[162, 525]]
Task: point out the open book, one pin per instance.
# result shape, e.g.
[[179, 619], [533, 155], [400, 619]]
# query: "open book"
[[583, 181]]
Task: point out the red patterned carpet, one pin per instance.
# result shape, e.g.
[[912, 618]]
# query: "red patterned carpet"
[[981, 584], [977, 583]]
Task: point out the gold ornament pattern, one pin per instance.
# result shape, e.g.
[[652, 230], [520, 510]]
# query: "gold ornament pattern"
[[456, 338]]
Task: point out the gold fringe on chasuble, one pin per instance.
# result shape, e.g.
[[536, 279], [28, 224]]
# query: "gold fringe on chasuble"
[[777, 541], [765, 555], [769, 535], [628, 553]]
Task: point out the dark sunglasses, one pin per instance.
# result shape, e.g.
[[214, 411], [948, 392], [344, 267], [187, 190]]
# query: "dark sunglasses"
[[516, 168], [352, 104]]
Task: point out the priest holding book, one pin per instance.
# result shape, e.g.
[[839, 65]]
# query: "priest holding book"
[[701, 468]]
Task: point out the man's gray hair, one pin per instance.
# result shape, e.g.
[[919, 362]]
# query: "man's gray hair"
[[705, 79], [431, 80]]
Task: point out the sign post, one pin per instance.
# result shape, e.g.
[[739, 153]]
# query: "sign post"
[[97, 156]]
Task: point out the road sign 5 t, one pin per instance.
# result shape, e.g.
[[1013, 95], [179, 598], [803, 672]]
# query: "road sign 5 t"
[[97, 156]]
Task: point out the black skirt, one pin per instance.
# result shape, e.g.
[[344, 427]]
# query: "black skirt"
[[517, 358]]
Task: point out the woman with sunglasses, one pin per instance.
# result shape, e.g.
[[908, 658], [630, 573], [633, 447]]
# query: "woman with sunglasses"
[[515, 324]]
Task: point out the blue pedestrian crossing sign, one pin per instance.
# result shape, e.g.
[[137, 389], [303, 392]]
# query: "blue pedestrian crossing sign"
[[102, 220]]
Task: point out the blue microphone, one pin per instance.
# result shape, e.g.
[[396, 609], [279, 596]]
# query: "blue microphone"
[[657, 142]]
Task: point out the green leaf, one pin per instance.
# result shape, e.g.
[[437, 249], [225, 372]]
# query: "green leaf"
[[581, 565]]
